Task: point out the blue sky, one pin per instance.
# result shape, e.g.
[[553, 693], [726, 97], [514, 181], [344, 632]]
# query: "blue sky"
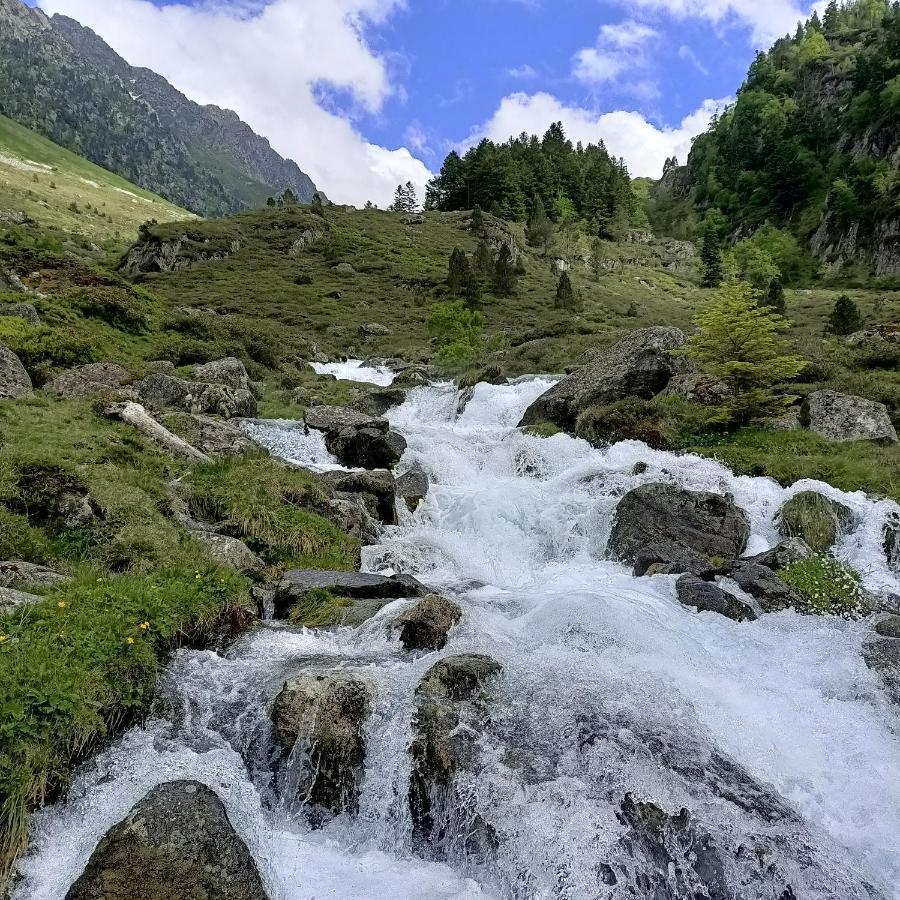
[[366, 93]]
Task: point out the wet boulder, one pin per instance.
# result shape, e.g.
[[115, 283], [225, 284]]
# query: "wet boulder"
[[882, 655], [427, 623], [888, 627], [175, 844], [54, 498], [88, 381], [229, 372], [412, 487], [378, 401], [295, 585], [15, 382], [352, 515], [683, 531], [846, 417], [357, 439], [891, 541], [815, 519], [375, 485], [789, 551], [704, 596], [641, 365], [319, 721], [764, 585], [452, 709]]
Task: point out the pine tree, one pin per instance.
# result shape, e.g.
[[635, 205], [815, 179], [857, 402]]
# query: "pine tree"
[[458, 271], [774, 298], [484, 259], [710, 260], [565, 293], [539, 229], [739, 343], [318, 205], [845, 317], [399, 204], [410, 200], [505, 277], [472, 290], [830, 20], [288, 198], [597, 258], [477, 223]]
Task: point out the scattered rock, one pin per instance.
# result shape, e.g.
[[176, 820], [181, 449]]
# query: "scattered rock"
[[351, 514], [815, 519], [175, 843], [161, 391], [487, 375], [230, 552], [296, 584], [319, 720], [15, 573], [790, 551], [10, 599], [228, 371], [344, 269], [9, 281], [426, 624], [638, 366], [761, 583], [888, 627], [53, 498], [211, 436], [845, 417], [15, 382], [88, 381], [374, 329], [705, 596], [690, 530], [357, 439], [161, 367], [24, 311], [882, 655], [377, 485], [697, 388], [414, 376], [412, 487], [377, 402], [891, 541], [452, 710]]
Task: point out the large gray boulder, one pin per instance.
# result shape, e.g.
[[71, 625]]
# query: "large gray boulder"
[[427, 623], [326, 716], [211, 436], [161, 391], [175, 844], [229, 552], [814, 518], [845, 417], [640, 365], [24, 311], [375, 485], [891, 541], [16, 573], [228, 371], [88, 381], [11, 599], [686, 531], [765, 586], [412, 487], [452, 709], [15, 382], [357, 439]]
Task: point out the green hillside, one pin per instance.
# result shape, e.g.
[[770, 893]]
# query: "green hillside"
[[60, 190]]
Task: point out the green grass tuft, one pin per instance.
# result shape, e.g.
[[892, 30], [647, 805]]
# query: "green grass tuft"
[[828, 587]]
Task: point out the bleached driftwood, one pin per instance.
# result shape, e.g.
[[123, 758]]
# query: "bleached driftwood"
[[135, 414]]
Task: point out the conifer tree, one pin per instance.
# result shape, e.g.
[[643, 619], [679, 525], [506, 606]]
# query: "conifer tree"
[[710, 260], [472, 290], [505, 277], [539, 228], [845, 317], [458, 271], [597, 258], [565, 293], [484, 259], [774, 298], [318, 205], [477, 224]]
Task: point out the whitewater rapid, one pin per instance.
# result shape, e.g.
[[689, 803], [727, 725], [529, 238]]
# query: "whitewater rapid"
[[609, 686]]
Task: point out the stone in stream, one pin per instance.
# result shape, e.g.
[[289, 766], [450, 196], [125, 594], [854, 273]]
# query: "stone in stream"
[[815, 519], [882, 655], [891, 541], [451, 711], [15, 382], [378, 401], [791, 550], [175, 844], [376, 484], [764, 585], [426, 624], [412, 488], [846, 417], [640, 365], [357, 439], [296, 584], [705, 596], [319, 722], [888, 627], [678, 530]]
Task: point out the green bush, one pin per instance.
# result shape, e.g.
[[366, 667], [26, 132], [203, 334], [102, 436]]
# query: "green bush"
[[114, 306], [18, 540], [827, 587], [44, 349], [458, 332]]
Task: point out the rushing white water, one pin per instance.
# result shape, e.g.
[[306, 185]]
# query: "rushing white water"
[[356, 370], [773, 733], [292, 441]]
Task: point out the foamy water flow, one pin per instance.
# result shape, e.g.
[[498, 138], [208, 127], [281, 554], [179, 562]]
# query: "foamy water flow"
[[515, 527], [356, 370]]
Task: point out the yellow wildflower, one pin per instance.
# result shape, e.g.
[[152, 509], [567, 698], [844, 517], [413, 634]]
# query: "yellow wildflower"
[[61, 604], [129, 640], [2, 638], [145, 626]]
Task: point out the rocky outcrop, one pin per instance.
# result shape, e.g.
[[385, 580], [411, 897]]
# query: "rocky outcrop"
[[24, 311], [297, 584], [845, 417], [374, 330], [641, 365], [764, 585], [676, 529], [888, 627], [54, 498], [426, 624], [210, 436], [378, 401], [452, 710], [697, 388], [15, 382], [15, 573], [230, 552], [412, 488], [319, 720], [11, 599], [782, 555], [357, 439], [175, 843], [160, 391], [376, 487], [814, 519], [228, 371], [88, 381], [704, 596]]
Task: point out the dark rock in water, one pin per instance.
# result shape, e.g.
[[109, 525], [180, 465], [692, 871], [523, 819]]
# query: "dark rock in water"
[[661, 523], [891, 535], [639, 468], [815, 519], [888, 627], [487, 375], [882, 655], [297, 583], [53, 498], [175, 844], [761, 583], [453, 700], [707, 597], [640, 365], [15, 382], [782, 555], [88, 381], [319, 720], [378, 401], [355, 438], [412, 487], [425, 625], [378, 485]]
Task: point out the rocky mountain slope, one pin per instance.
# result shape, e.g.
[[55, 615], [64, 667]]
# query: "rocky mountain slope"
[[61, 80]]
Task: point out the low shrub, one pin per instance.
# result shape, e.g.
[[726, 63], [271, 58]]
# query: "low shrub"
[[44, 349], [114, 306], [827, 587]]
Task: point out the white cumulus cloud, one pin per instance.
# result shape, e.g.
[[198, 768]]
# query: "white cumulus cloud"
[[619, 48], [643, 145], [266, 61]]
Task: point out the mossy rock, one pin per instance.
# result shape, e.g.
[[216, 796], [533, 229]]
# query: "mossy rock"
[[815, 519]]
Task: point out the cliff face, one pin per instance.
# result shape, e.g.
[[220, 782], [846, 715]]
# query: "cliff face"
[[63, 81]]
